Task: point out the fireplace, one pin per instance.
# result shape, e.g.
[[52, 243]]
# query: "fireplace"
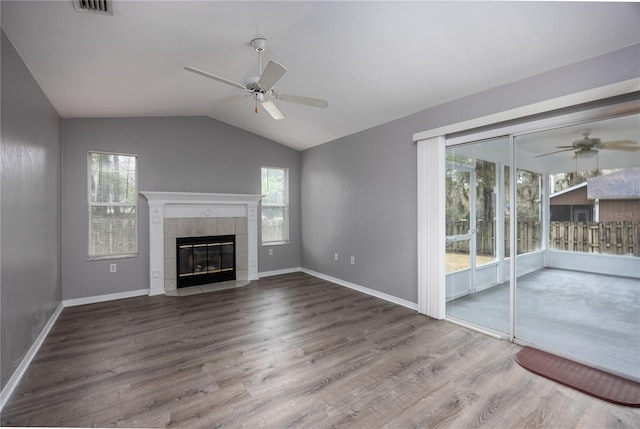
[[203, 260], [187, 214]]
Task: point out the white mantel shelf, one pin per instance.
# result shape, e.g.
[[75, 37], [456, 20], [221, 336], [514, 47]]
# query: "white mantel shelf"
[[198, 198], [163, 205]]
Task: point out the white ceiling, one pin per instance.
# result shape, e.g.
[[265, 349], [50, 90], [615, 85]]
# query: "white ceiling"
[[373, 61]]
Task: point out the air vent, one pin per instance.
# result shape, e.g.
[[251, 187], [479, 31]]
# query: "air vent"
[[98, 6]]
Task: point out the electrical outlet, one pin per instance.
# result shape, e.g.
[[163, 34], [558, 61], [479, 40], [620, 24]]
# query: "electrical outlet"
[[270, 252], [113, 268], [353, 260], [335, 256]]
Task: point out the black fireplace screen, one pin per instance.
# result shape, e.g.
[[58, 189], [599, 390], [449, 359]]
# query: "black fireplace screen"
[[202, 260]]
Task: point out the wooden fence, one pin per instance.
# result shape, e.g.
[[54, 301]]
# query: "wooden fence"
[[616, 238], [272, 230]]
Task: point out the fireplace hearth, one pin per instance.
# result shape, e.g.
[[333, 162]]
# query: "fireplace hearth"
[[203, 260]]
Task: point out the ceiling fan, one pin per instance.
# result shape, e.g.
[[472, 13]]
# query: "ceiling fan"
[[590, 146], [260, 88]]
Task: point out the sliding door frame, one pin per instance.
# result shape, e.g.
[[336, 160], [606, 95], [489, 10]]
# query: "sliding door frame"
[[431, 232]]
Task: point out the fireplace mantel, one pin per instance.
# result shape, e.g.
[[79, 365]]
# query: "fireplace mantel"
[[199, 198], [163, 205]]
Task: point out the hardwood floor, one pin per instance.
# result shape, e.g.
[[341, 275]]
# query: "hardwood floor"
[[286, 351]]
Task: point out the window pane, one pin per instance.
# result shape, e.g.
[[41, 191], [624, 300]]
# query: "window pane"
[[113, 178], [485, 212], [113, 196], [273, 219], [273, 186], [457, 256], [112, 231], [507, 213], [528, 203]]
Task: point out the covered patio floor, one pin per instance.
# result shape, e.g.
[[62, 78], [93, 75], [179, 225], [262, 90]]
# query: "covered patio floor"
[[592, 318]]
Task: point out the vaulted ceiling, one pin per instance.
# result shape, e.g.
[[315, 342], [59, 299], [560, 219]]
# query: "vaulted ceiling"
[[373, 61]]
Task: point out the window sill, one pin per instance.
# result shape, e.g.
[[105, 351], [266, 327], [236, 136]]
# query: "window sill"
[[107, 257], [275, 243]]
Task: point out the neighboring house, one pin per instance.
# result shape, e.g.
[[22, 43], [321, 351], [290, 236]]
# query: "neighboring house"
[[614, 197], [571, 205]]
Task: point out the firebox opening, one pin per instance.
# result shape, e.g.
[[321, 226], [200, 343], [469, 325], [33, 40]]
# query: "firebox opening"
[[202, 260]]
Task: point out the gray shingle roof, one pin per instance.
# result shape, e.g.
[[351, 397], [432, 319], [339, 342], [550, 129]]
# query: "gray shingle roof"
[[619, 185]]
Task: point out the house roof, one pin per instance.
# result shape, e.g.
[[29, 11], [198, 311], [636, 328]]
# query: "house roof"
[[374, 62], [622, 184], [571, 189]]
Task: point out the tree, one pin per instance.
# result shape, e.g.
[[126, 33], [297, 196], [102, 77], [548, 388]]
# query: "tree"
[[528, 186], [562, 181], [485, 186]]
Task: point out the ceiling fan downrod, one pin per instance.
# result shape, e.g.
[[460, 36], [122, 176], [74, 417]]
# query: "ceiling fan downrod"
[[260, 45]]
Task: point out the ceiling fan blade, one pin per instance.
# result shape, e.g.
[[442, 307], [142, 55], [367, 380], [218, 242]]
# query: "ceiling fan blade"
[[273, 110], [618, 143], [272, 74], [623, 148], [551, 153], [307, 101], [214, 77]]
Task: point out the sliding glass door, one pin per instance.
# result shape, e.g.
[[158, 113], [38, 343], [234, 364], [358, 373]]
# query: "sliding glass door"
[[577, 289], [543, 240], [475, 284]]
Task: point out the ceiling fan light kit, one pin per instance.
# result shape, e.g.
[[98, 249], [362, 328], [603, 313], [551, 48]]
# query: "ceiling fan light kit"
[[261, 87], [590, 153]]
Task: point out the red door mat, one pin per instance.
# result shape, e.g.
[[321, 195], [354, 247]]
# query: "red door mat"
[[591, 381]]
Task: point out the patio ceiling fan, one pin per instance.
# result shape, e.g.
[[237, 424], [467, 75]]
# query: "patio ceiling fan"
[[261, 87], [587, 146]]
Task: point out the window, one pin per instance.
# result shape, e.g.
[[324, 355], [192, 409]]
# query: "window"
[[275, 205], [113, 197]]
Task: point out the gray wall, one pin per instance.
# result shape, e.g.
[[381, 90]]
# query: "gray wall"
[[181, 154], [30, 281], [359, 192], [359, 199]]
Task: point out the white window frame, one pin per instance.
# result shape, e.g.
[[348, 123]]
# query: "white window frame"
[[91, 204], [285, 207]]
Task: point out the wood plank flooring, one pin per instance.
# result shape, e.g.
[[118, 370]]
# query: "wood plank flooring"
[[285, 351]]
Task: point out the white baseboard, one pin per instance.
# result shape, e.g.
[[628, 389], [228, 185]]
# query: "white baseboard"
[[103, 298], [26, 361], [279, 272], [372, 292]]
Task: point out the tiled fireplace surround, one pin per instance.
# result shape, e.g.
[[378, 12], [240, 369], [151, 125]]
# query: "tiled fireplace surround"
[[185, 214], [198, 227]]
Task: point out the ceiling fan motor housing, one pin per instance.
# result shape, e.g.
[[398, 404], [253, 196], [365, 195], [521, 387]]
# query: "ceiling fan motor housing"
[[587, 145], [253, 86]]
